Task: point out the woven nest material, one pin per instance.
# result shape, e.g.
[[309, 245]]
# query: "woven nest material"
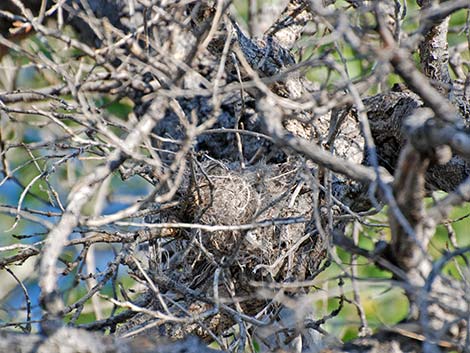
[[221, 196]]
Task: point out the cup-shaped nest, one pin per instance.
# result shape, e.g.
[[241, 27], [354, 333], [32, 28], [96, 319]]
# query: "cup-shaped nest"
[[226, 197]]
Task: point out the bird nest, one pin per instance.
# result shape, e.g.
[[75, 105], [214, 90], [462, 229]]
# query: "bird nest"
[[259, 220], [250, 227]]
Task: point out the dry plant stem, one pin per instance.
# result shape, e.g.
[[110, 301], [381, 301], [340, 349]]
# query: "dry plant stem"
[[111, 270], [177, 167], [57, 238], [432, 339], [102, 83], [364, 329], [432, 15], [90, 256], [25, 213], [218, 228], [410, 252], [273, 116], [443, 207], [215, 23], [154, 288], [434, 135], [372, 155], [119, 318], [27, 327], [415, 80], [289, 26], [434, 54]]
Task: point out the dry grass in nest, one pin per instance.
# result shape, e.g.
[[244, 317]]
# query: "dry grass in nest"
[[231, 197], [226, 198]]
